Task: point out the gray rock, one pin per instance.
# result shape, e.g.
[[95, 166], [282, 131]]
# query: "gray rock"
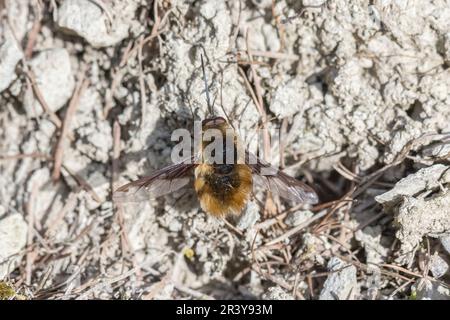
[[54, 78], [422, 180], [13, 238], [445, 240], [10, 52], [86, 19], [298, 217], [370, 238], [419, 217], [249, 216], [10, 55], [438, 150], [447, 48], [290, 98], [341, 283], [262, 3], [438, 266], [313, 3], [430, 290]]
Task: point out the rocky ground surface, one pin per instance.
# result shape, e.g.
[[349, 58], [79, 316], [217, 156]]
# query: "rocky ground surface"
[[90, 91]]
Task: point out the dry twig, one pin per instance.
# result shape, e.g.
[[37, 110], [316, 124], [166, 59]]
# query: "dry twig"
[[82, 85]]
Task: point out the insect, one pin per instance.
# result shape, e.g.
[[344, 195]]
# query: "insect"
[[223, 187]]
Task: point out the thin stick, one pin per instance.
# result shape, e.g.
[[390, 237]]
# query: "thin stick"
[[37, 92], [82, 85], [141, 80], [24, 156], [274, 55], [32, 36], [283, 141], [400, 288], [155, 27], [233, 228], [279, 282], [83, 183], [116, 153], [31, 220], [260, 105], [343, 245], [78, 179], [236, 26], [194, 293], [296, 229], [106, 10], [205, 80], [68, 206], [280, 26], [32, 79]]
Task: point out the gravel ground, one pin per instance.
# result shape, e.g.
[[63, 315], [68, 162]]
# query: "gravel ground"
[[91, 90]]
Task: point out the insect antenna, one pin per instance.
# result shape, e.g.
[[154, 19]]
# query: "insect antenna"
[[208, 101]]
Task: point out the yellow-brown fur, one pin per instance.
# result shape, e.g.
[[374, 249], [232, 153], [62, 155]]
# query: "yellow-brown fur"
[[215, 200], [222, 189]]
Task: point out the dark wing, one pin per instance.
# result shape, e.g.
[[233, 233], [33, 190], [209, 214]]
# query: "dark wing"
[[276, 181], [161, 182]]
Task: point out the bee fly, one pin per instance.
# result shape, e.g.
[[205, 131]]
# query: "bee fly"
[[223, 187]]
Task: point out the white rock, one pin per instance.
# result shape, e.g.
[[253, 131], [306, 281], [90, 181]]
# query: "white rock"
[[54, 78], [13, 238], [86, 19], [341, 283], [10, 55]]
